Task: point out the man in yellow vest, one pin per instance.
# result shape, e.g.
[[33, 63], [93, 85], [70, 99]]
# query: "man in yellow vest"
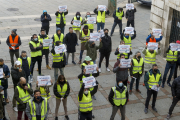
[[22, 96], [118, 97], [118, 14], [36, 52], [90, 26], [38, 107], [100, 18], [151, 79], [58, 36]]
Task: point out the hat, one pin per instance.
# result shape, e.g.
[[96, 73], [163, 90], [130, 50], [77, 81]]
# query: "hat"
[[87, 58], [17, 63], [58, 29], [1, 88], [85, 27], [14, 30], [44, 11], [178, 41], [118, 80]]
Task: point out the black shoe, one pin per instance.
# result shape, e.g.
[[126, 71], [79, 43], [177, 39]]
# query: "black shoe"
[[169, 84], [67, 118], [162, 86], [146, 110], [154, 109], [93, 116], [94, 97], [56, 118], [66, 63], [168, 116], [74, 62], [5, 118]]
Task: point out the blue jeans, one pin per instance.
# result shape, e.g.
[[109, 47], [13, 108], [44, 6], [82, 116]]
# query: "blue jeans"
[[100, 25], [81, 54], [114, 25], [94, 61], [167, 68], [137, 83], [62, 29], [56, 72]]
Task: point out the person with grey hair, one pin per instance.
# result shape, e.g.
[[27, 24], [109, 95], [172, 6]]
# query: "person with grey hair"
[[136, 70]]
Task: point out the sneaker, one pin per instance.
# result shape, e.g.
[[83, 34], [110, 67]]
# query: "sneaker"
[[169, 84], [94, 97], [56, 118], [15, 109], [146, 110], [93, 116], [162, 86], [108, 69], [48, 67], [99, 69], [130, 92], [67, 118], [74, 62], [154, 109], [138, 91], [143, 84], [168, 116]]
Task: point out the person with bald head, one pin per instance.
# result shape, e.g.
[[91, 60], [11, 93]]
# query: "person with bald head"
[[22, 96]]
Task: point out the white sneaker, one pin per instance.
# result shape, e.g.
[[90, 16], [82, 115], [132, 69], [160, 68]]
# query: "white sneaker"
[[15, 109], [108, 69], [99, 69]]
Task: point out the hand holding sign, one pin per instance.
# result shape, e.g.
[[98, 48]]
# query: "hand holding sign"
[[90, 69], [63, 8], [94, 36], [125, 63], [77, 23], [129, 6], [152, 46], [124, 48], [102, 8], [44, 80], [91, 20], [47, 42]]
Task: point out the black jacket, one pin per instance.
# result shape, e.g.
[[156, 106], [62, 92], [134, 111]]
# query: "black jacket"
[[116, 18], [107, 45], [176, 87], [132, 37], [25, 66], [130, 14], [45, 22], [71, 40], [19, 43], [16, 75], [62, 23]]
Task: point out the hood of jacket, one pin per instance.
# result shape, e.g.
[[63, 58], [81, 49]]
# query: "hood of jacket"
[[151, 71], [120, 89], [44, 11]]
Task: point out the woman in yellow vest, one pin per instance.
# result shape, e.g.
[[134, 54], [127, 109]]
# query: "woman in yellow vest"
[[90, 26], [61, 91], [136, 71]]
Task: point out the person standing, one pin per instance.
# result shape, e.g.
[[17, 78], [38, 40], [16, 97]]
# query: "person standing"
[[136, 71], [45, 18], [4, 80], [58, 36], [101, 18], [151, 38], [61, 20], [61, 91], [38, 107], [16, 72], [2, 104], [105, 50], [171, 59], [71, 42], [22, 96], [36, 52], [45, 50], [90, 26], [178, 62], [13, 41], [130, 17], [84, 36], [87, 61], [118, 14], [152, 78]]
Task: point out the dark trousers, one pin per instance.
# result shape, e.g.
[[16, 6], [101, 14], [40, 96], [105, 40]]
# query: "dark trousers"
[[137, 82], [175, 71], [175, 101], [114, 25], [167, 68], [47, 58], [125, 82], [46, 28], [149, 93], [86, 116], [39, 60], [12, 56], [130, 22], [115, 109], [106, 55], [20, 115], [91, 30]]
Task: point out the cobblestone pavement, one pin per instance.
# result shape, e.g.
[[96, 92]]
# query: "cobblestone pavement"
[[24, 20]]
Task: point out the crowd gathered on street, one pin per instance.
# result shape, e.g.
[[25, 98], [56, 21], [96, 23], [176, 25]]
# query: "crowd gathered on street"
[[35, 103]]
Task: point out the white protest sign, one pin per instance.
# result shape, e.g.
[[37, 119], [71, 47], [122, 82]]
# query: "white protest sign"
[[129, 6], [101, 7], [91, 20], [94, 37], [155, 88], [44, 80], [101, 33], [152, 46], [47, 42], [77, 23], [124, 48], [157, 32], [89, 82], [129, 30], [91, 68], [174, 46], [1, 73], [125, 63], [60, 49], [63, 8]]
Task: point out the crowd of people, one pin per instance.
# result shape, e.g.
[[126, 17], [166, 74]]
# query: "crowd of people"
[[35, 103]]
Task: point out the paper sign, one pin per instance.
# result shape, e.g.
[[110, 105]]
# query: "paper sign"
[[101, 7], [152, 46], [1, 73], [155, 88], [91, 20], [63, 8], [174, 47], [47, 42], [60, 49], [129, 30], [91, 68], [124, 48], [101, 33], [157, 32], [129, 6], [77, 23], [125, 63], [89, 82], [94, 36], [44, 80]]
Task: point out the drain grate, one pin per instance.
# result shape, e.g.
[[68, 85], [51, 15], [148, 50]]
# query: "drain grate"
[[37, 19], [13, 20], [12, 9]]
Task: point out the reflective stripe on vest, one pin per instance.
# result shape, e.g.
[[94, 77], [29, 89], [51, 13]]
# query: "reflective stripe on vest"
[[33, 109], [41, 40], [63, 90], [28, 59], [126, 55], [36, 53], [24, 96], [150, 58], [56, 38], [58, 19], [76, 27], [43, 93], [101, 17], [90, 26], [13, 43], [172, 56], [137, 66], [58, 57], [84, 36], [119, 14], [127, 41], [152, 81]]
